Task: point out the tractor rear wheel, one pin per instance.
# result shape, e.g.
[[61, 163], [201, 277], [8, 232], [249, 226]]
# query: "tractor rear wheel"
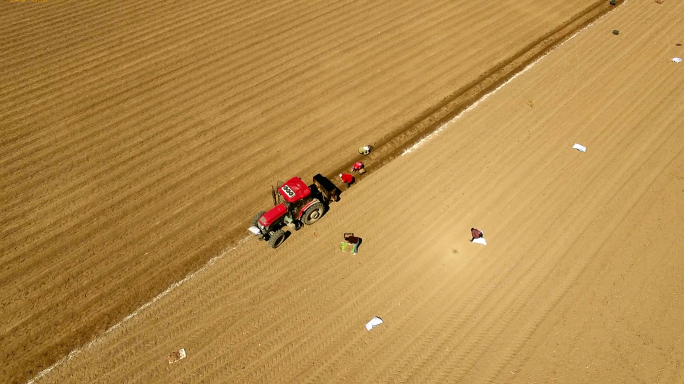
[[256, 218], [313, 213], [276, 239]]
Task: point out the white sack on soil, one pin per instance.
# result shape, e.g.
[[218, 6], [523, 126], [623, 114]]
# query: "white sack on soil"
[[373, 323], [580, 148], [481, 240], [677, 59]]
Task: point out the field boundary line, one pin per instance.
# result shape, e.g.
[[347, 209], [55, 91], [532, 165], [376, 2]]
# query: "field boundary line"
[[434, 118], [171, 288], [486, 96]]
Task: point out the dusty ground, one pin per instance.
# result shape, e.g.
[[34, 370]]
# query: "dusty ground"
[[108, 197], [140, 138]]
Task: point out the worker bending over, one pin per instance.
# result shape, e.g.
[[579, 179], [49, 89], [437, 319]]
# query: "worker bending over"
[[347, 179]]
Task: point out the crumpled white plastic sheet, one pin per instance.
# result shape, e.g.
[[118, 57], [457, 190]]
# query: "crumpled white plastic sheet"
[[580, 148], [373, 323], [480, 240], [677, 59]]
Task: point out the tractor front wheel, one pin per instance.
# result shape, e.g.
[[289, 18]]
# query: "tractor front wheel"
[[255, 219], [313, 213], [276, 239]]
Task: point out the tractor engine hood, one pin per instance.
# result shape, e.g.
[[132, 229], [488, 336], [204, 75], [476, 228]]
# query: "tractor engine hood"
[[274, 214]]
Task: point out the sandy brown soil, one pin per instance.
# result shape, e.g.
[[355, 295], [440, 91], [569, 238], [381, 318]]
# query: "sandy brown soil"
[[123, 172], [139, 138], [580, 281]]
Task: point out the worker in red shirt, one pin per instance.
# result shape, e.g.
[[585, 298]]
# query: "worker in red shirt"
[[347, 179], [358, 167], [477, 234]]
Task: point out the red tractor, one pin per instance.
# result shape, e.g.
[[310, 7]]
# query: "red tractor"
[[301, 204]]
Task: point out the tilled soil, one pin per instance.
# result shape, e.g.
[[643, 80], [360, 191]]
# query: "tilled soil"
[[137, 147]]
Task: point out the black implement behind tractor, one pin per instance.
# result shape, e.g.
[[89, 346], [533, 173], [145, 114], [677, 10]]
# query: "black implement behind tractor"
[[295, 204]]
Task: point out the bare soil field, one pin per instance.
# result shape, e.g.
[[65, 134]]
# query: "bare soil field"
[[139, 139], [580, 280]]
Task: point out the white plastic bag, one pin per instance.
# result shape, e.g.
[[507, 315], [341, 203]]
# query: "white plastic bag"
[[373, 323], [580, 148]]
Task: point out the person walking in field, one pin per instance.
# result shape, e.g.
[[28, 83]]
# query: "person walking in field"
[[347, 179]]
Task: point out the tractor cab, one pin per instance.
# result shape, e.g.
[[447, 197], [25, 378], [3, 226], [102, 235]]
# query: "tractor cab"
[[291, 197], [294, 190]]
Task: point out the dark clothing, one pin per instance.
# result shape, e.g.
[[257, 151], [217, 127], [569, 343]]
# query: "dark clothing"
[[353, 240], [476, 233]]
